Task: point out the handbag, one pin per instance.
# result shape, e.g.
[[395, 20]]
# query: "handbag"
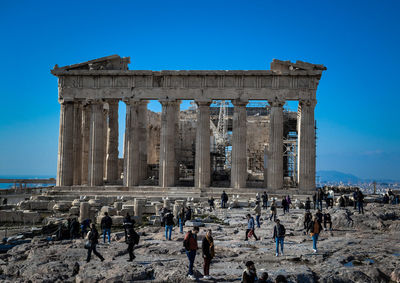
[[87, 245]]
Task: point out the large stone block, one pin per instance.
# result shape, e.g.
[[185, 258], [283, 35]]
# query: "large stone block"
[[109, 209], [31, 217]]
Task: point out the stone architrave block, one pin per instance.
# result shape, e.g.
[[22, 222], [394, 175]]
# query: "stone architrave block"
[[31, 217]]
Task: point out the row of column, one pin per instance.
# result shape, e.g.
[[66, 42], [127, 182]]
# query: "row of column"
[[82, 146]]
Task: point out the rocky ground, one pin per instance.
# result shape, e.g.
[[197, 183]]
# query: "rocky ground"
[[367, 252]]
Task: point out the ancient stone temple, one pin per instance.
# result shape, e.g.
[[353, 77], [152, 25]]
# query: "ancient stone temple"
[[89, 94]]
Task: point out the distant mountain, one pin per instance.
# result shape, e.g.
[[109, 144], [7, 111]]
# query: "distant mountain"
[[336, 176]]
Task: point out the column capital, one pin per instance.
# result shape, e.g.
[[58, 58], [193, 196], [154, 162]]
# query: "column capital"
[[203, 103], [112, 101], [94, 101], [276, 102], [239, 102], [168, 102], [308, 102], [66, 101]]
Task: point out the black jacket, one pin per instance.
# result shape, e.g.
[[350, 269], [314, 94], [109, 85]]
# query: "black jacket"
[[94, 236], [279, 231], [205, 247], [106, 222], [169, 219]]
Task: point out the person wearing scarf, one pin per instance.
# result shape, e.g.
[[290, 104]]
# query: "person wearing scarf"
[[208, 253]]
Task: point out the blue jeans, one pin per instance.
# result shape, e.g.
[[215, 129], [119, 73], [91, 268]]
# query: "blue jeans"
[[319, 204], [108, 232], [180, 225], [315, 240], [277, 241], [168, 231], [191, 256], [258, 221], [360, 207]]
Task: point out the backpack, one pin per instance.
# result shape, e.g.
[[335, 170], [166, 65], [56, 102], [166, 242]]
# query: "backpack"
[[281, 231]]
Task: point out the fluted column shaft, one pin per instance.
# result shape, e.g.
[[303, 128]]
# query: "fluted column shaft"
[[65, 145], [202, 162], [96, 144], [77, 147], [142, 115], [112, 143], [86, 117], [239, 147], [275, 150], [167, 170], [131, 148], [306, 145]]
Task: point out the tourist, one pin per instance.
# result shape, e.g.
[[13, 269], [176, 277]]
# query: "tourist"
[[127, 223], [188, 215], [288, 203], [308, 204], [263, 278], [264, 198], [284, 204], [211, 203], [84, 226], [327, 219], [320, 216], [250, 228], [279, 236], [169, 223], [342, 201], [93, 238], [360, 202], [307, 220], [331, 197], [348, 218], [320, 197], [257, 196], [132, 240], [224, 199], [385, 199], [190, 244], [257, 212], [315, 229], [106, 223], [74, 231], [273, 211], [181, 219], [280, 279], [314, 197], [207, 248], [249, 274], [355, 194]]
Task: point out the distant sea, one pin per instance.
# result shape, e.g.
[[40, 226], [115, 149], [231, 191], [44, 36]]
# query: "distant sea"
[[9, 185]]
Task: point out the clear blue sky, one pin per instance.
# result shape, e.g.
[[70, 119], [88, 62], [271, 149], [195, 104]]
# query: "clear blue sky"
[[358, 97]]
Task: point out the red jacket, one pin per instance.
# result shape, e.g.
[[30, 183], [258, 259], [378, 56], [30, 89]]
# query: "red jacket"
[[190, 241]]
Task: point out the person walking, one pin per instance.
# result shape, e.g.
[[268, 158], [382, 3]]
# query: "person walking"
[[127, 223], [224, 199], [106, 223], [169, 223], [315, 229], [257, 212], [360, 202], [132, 240], [314, 197], [250, 228], [264, 198], [93, 238], [249, 275], [288, 202], [181, 219], [327, 220], [190, 244], [211, 203], [350, 221], [208, 250], [308, 204], [273, 211], [279, 236], [284, 204], [307, 220]]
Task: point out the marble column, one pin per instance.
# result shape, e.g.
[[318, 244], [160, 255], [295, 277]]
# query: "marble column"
[[65, 173], [239, 147], [131, 144], [105, 131], [142, 115], [77, 147], [202, 162], [167, 170], [275, 148], [306, 145], [96, 144], [112, 143], [86, 116]]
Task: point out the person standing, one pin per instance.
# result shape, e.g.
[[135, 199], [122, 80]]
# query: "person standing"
[[355, 193], [188, 215], [190, 244], [169, 223], [314, 197], [181, 219], [284, 204], [132, 240], [224, 199], [106, 223], [264, 198], [327, 220], [360, 202], [257, 211], [93, 238], [208, 250], [249, 274], [279, 236], [250, 228], [315, 229], [288, 202], [320, 197], [273, 211], [211, 203], [320, 216], [308, 204]]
